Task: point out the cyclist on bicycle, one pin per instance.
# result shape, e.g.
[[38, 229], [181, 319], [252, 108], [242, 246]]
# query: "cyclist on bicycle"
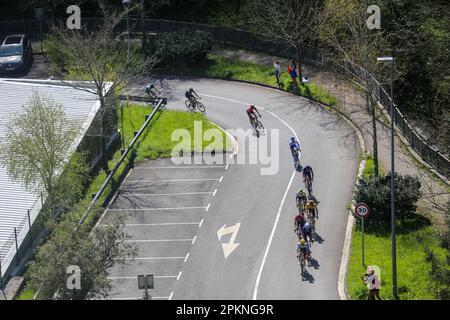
[[299, 222], [308, 172], [191, 95], [251, 112], [312, 208], [300, 197], [151, 90], [303, 249], [307, 231], [294, 145]]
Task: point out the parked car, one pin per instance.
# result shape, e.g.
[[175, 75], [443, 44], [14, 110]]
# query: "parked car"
[[16, 54]]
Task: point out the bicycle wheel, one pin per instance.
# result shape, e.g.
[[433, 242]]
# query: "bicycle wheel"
[[189, 105], [200, 106], [259, 125], [308, 184]]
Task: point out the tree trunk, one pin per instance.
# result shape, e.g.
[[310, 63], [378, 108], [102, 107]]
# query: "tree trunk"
[[298, 49]]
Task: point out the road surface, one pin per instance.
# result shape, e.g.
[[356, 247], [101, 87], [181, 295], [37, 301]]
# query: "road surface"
[[245, 246]]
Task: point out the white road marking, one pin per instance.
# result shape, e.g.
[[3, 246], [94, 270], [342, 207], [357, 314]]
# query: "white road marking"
[[207, 208], [226, 168], [181, 167], [179, 275], [193, 240], [158, 209], [135, 277], [215, 191], [170, 297], [154, 224], [221, 178], [170, 180], [229, 247], [186, 258], [165, 194], [154, 258], [200, 225], [159, 240]]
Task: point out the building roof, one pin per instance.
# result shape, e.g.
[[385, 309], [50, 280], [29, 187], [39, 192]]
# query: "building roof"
[[79, 106]]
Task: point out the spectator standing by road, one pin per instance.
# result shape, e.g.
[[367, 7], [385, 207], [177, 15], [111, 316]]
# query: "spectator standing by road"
[[292, 70], [277, 66], [373, 283]]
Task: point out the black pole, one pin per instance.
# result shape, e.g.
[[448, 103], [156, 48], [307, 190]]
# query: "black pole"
[[394, 249]]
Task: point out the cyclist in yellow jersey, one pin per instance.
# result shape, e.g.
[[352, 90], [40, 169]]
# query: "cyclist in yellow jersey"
[[312, 208]]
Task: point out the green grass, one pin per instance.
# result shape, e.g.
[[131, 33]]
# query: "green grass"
[[413, 271], [26, 294], [222, 67]]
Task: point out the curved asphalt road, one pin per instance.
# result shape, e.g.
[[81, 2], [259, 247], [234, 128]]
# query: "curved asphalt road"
[[254, 269]]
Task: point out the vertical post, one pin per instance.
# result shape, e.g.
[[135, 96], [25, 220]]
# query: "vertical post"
[[362, 237], [394, 249], [146, 287], [1, 278], [121, 120], [40, 32], [29, 226], [17, 246]]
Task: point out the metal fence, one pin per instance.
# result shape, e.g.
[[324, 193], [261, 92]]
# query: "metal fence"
[[246, 40]]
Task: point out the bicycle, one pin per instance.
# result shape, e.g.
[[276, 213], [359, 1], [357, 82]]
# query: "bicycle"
[[257, 125], [296, 155], [308, 184], [301, 260], [312, 222], [192, 105]]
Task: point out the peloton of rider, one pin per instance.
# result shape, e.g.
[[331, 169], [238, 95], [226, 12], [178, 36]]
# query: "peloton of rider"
[[191, 95], [312, 208], [151, 90], [251, 112], [308, 172]]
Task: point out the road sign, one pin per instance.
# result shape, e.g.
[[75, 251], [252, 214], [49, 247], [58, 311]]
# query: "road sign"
[[362, 210], [229, 247], [145, 281]]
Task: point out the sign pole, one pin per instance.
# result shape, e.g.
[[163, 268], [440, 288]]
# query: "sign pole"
[[146, 288], [362, 237]]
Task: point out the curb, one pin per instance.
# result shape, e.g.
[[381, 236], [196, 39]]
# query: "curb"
[[232, 139]]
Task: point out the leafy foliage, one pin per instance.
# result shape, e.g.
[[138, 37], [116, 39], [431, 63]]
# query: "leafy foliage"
[[375, 192], [180, 49]]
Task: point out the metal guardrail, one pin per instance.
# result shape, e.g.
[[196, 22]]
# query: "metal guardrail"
[[255, 42]]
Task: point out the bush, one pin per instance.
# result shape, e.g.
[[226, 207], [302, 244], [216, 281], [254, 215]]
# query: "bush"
[[179, 49], [376, 193], [54, 53]]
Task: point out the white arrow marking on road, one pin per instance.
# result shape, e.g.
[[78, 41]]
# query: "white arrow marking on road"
[[229, 247]]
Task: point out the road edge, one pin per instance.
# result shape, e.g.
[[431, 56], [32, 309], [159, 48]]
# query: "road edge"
[[230, 136]]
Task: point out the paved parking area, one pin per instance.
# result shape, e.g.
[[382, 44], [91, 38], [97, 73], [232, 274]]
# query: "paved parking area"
[[164, 205]]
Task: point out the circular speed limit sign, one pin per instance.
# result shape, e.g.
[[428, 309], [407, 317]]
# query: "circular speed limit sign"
[[362, 210]]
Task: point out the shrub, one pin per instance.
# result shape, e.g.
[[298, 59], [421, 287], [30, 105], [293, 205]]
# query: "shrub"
[[179, 49], [54, 53], [376, 193]]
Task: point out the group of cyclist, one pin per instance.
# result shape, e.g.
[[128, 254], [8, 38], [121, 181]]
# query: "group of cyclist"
[[191, 96], [305, 220]]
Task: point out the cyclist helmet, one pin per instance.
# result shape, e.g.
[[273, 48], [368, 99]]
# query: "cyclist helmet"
[[302, 241], [293, 139], [301, 192]]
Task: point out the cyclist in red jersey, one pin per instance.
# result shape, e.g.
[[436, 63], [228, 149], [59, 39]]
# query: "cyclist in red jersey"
[[251, 112]]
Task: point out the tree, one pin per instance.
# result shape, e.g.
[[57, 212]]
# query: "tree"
[[290, 21], [36, 150], [93, 252], [376, 193], [344, 35], [96, 62]]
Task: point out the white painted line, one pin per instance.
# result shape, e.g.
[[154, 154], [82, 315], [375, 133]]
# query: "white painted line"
[[170, 297], [226, 168], [179, 275], [135, 277], [187, 256], [221, 178], [158, 209], [155, 258], [193, 240], [215, 191], [170, 180], [157, 240], [201, 222], [154, 224], [181, 167], [165, 194], [207, 208]]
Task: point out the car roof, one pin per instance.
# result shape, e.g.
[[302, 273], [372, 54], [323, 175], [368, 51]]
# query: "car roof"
[[13, 36]]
